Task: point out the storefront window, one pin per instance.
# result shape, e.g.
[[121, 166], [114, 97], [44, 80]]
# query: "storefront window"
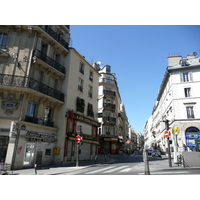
[[192, 139]]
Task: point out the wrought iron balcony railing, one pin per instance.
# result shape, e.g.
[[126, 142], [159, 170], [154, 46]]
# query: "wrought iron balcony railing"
[[109, 92], [49, 61], [28, 82], [109, 120], [36, 120], [54, 35], [107, 80], [109, 106]]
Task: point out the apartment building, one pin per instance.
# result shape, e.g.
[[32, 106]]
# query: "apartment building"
[[79, 113], [110, 113], [179, 101], [32, 70]]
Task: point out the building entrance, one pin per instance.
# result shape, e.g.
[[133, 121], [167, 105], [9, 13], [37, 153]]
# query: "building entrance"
[[29, 154], [3, 147]]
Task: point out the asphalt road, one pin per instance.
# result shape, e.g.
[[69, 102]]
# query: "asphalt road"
[[127, 165]]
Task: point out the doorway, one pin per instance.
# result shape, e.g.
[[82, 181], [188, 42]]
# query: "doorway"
[[29, 154]]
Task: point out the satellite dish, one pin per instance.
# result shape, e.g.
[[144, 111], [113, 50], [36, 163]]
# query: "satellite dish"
[[194, 53]]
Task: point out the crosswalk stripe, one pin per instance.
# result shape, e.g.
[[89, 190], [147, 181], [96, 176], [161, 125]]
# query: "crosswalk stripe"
[[112, 170], [126, 170], [99, 170]]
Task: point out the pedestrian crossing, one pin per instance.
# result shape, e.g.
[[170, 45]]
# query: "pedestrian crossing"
[[104, 170], [121, 170]]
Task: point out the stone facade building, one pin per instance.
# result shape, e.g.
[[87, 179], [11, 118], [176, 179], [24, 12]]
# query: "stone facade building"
[[178, 101], [32, 70]]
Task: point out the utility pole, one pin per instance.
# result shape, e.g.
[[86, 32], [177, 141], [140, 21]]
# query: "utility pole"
[[168, 143]]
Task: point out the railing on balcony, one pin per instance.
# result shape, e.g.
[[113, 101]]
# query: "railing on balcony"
[[107, 80], [109, 92], [49, 61], [28, 82], [109, 105], [109, 120], [36, 120], [54, 35]]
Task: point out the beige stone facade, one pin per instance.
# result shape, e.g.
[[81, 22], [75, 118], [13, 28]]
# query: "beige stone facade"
[[32, 70]]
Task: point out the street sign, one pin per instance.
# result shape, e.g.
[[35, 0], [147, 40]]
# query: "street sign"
[[166, 134], [78, 138]]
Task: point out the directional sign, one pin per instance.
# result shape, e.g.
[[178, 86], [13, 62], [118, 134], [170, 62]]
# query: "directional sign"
[[166, 134]]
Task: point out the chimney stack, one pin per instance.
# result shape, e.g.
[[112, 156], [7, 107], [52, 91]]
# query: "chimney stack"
[[174, 60]]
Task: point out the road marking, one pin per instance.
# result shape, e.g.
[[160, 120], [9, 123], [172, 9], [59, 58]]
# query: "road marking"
[[126, 170], [112, 170], [99, 170], [168, 172]]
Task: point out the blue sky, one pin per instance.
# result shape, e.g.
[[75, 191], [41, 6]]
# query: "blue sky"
[[138, 55]]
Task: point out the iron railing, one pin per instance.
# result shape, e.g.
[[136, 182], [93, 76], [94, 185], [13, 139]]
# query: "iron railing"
[[109, 106], [42, 56], [109, 92], [109, 120], [54, 35], [28, 82]]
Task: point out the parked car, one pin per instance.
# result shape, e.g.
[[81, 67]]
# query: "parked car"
[[156, 153], [150, 151]]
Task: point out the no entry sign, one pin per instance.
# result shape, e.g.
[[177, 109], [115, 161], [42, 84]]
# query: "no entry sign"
[[166, 134], [78, 138]]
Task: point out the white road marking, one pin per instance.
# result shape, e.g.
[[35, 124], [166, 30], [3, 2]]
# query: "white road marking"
[[112, 170], [99, 170], [126, 170]]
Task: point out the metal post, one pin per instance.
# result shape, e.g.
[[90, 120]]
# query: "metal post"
[[77, 155], [146, 162], [169, 153], [35, 166]]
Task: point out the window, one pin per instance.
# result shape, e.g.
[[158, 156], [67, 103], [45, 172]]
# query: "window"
[[90, 91], [107, 130], [91, 76], [190, 112], [108, 80], [3, 38], [80, 85], [186, 77], [48, 116], [81, 68], [187, 92], [31, 109]]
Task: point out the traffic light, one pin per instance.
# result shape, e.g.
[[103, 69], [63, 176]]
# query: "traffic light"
[[166, 124]]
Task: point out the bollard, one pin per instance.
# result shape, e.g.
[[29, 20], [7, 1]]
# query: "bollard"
[[146, 162], [35, 166]]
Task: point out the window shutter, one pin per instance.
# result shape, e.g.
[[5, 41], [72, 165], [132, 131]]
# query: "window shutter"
[[39, 42], [181, 77], [190, 75]]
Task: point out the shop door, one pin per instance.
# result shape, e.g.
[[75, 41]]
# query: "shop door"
[[3, 147], [29, 154], [107, 147]]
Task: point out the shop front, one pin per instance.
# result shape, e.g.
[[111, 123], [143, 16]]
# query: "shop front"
[[87, 129], [192, 135], [34, 148]]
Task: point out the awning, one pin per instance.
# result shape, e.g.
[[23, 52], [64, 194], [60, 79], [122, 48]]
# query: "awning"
[[111, 139]]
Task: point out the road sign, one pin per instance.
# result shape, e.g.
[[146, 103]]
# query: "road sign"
[[78, 138], [166, 134]]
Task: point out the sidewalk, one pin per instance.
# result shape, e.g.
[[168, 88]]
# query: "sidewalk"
[[159, 164], [59, 169]]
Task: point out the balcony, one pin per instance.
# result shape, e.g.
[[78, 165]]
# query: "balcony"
[[109, 120], [36, 120], [106, 80], [109, 93], [54, 35], [28, 82], [49, 61], [109, 106]]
